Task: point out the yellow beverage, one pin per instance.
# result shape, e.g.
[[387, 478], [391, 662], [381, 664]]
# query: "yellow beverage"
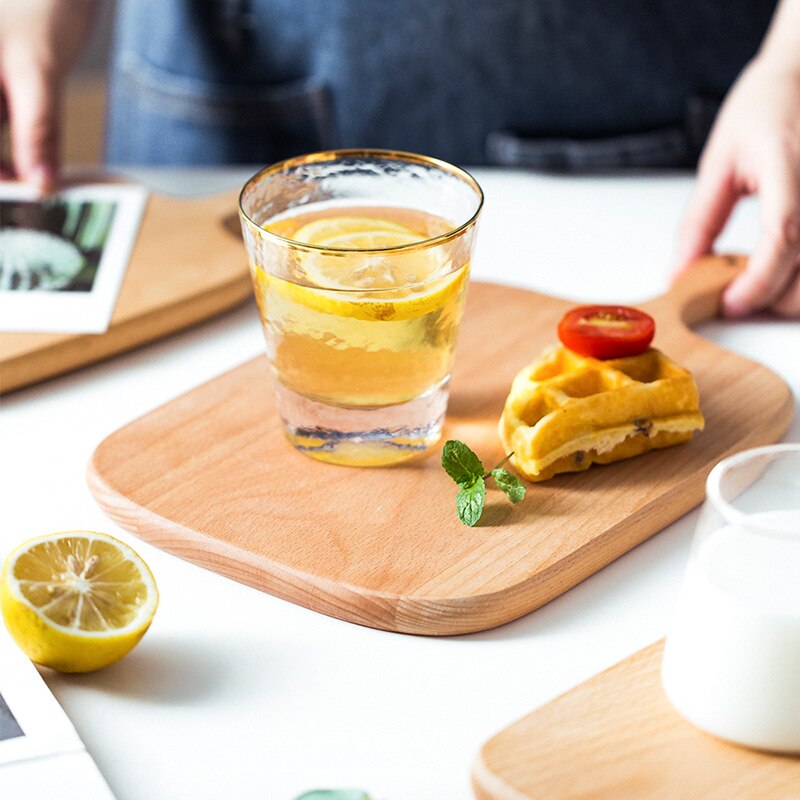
[[360, 293], [360, 329]]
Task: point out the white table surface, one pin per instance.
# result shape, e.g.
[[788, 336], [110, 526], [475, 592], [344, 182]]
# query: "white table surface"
[[236, 694]]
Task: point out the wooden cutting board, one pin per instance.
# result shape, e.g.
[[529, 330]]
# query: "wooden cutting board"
[[616, 736], [210, 478], [187, 265]]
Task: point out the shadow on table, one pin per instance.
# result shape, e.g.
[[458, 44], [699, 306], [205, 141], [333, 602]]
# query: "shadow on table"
[[163, 670]]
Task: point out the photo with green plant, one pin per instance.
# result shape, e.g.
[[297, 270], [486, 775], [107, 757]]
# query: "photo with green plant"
[[53, 244]]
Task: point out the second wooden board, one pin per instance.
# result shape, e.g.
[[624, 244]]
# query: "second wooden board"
[[616, 736], [211, 478], [187, 265]]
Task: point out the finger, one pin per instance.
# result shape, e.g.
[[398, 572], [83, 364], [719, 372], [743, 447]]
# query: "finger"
[[772, 264], [710, 207], [788, 304], [33, 100]]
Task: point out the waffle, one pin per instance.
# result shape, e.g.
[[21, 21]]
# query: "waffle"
[[566, 412]]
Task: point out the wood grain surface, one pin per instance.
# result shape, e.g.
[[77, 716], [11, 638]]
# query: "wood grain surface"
[[210, 477], [187, 265], [616, 736]]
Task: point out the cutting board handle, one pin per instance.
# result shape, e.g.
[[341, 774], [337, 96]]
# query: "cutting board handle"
[[698, 295]]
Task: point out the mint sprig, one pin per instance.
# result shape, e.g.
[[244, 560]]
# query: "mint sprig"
[[466, 469]]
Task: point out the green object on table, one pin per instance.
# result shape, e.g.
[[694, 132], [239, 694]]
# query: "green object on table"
[[334, 794]]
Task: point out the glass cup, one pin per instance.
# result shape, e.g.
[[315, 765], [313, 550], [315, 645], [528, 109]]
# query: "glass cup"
[[732, 657], [360, 261]]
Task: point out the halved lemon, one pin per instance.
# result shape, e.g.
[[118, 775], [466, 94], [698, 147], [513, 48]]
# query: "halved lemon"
[[77, 601], [379, 286]]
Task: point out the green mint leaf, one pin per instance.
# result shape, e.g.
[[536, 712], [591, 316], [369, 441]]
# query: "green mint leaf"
[[469, 501], [460, 463], [509, 483]]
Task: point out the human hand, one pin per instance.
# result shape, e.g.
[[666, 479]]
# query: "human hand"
[[39, 42], [754, 148]]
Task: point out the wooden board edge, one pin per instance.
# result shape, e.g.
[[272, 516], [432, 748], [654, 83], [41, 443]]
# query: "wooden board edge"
[[86, 349], [408, 613], [486, 785]]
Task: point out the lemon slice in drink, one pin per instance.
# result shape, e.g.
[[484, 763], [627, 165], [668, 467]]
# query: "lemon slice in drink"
[[395, 286], [77, 601], [367, 272], [356, 233]]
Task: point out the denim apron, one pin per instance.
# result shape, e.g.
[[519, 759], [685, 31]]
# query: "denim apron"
[[551, 84]]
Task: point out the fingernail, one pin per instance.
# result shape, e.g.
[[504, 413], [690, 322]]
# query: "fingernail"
[[735, 306]]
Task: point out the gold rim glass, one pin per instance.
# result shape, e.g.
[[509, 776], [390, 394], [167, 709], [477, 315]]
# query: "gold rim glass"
[[360, 260]]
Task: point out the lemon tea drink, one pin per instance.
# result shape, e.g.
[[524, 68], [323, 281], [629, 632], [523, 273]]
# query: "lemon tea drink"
[[385, 344], [360, 293]]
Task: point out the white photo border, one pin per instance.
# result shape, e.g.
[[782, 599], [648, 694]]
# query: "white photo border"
[[46, 729]]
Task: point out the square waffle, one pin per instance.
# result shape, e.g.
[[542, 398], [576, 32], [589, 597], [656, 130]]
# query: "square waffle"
[[566, 412]]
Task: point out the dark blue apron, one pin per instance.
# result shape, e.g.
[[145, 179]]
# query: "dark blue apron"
[[551, 84]]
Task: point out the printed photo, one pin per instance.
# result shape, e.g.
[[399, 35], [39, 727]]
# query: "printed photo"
[[63, 258]]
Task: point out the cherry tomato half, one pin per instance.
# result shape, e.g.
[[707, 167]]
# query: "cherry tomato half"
[[606, 331]]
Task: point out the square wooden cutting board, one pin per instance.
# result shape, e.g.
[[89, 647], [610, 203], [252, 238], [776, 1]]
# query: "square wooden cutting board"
[[210, 477]]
